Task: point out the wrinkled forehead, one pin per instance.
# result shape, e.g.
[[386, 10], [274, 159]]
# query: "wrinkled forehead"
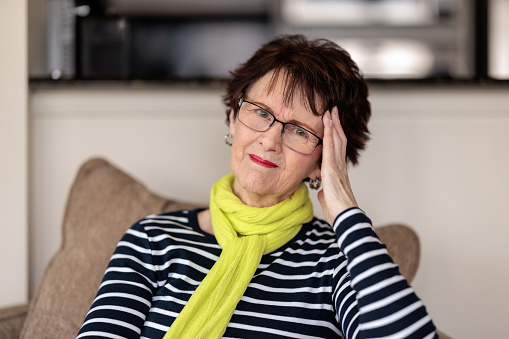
[[292, 89]]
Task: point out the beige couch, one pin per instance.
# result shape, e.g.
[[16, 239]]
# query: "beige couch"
[[102, 204]]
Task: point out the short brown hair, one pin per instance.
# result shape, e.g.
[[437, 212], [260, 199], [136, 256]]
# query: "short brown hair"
[[322, 71]]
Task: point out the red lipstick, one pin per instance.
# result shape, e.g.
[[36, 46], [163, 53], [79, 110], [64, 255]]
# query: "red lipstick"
[[261, 162]]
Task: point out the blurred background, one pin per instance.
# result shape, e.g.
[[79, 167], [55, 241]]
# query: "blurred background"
[[140, 83], [168, 39]]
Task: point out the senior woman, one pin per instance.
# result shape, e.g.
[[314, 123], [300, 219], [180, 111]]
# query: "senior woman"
[[256, 263]]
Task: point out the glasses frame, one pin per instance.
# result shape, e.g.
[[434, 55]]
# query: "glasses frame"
[[320, 140]]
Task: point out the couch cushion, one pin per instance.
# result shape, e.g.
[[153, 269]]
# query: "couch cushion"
[[11, 321], [102, 204], [403, 246]]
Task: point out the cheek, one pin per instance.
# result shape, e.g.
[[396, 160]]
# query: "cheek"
[[314, 164], [300, 167], [243, 139], [238, 150], [234, 156]]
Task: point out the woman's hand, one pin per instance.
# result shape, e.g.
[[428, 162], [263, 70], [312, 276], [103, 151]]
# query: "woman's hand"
[[336, 194]]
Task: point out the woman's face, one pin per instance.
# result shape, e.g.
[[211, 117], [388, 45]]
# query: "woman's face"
[[266, 171]]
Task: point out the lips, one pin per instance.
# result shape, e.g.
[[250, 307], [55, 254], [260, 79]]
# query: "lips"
[[265, 163]]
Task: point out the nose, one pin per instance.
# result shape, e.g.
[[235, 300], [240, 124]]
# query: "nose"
[[272, 139]]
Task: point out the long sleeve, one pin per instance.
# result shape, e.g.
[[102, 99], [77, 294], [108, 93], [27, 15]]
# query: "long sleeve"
[[385, 305], [124, 297]]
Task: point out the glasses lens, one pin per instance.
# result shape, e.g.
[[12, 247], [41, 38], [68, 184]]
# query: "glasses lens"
[[254, 117], [295, 137], [299, 139]]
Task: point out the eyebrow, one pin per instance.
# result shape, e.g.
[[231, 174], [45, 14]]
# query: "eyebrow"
[[293, 122]]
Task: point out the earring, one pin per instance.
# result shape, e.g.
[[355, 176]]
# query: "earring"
[[315, 184], [228, 139]]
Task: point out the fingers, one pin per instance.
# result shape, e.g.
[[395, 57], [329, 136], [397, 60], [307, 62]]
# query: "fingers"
[[339, 131], [328, 140], [334, 136], [327, 126]]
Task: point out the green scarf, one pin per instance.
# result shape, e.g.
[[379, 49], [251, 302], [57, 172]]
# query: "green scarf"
[[263, 230]]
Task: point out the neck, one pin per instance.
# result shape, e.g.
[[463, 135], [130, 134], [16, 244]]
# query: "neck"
[[204, 221]]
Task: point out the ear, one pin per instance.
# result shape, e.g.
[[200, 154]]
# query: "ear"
[[232, 122]]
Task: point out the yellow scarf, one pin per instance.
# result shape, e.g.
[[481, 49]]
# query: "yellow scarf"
[[263, 230]]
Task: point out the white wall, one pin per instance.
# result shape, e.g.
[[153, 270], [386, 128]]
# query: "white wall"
[[437, 161], [498, 40], [13, 153]]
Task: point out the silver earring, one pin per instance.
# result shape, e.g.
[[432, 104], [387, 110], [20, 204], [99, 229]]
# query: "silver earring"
[[315, 184], [228, 139]]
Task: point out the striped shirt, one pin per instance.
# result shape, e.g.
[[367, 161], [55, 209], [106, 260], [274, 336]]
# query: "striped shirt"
[[327, 282]]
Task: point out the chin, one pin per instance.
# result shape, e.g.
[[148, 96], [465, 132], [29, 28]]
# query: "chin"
[[256, 183], [267, 193]]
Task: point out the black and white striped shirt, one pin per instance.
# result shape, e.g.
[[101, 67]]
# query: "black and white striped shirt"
[[325, 283]]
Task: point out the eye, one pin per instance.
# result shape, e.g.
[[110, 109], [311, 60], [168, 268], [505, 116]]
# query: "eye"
[[263, 114], [300, 132], [297, 131]]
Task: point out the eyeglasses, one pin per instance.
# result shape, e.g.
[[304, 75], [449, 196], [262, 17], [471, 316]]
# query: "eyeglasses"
[[294, 137]]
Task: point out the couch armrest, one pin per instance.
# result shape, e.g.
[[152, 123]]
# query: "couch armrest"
[[12, 320], [442, 335]]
